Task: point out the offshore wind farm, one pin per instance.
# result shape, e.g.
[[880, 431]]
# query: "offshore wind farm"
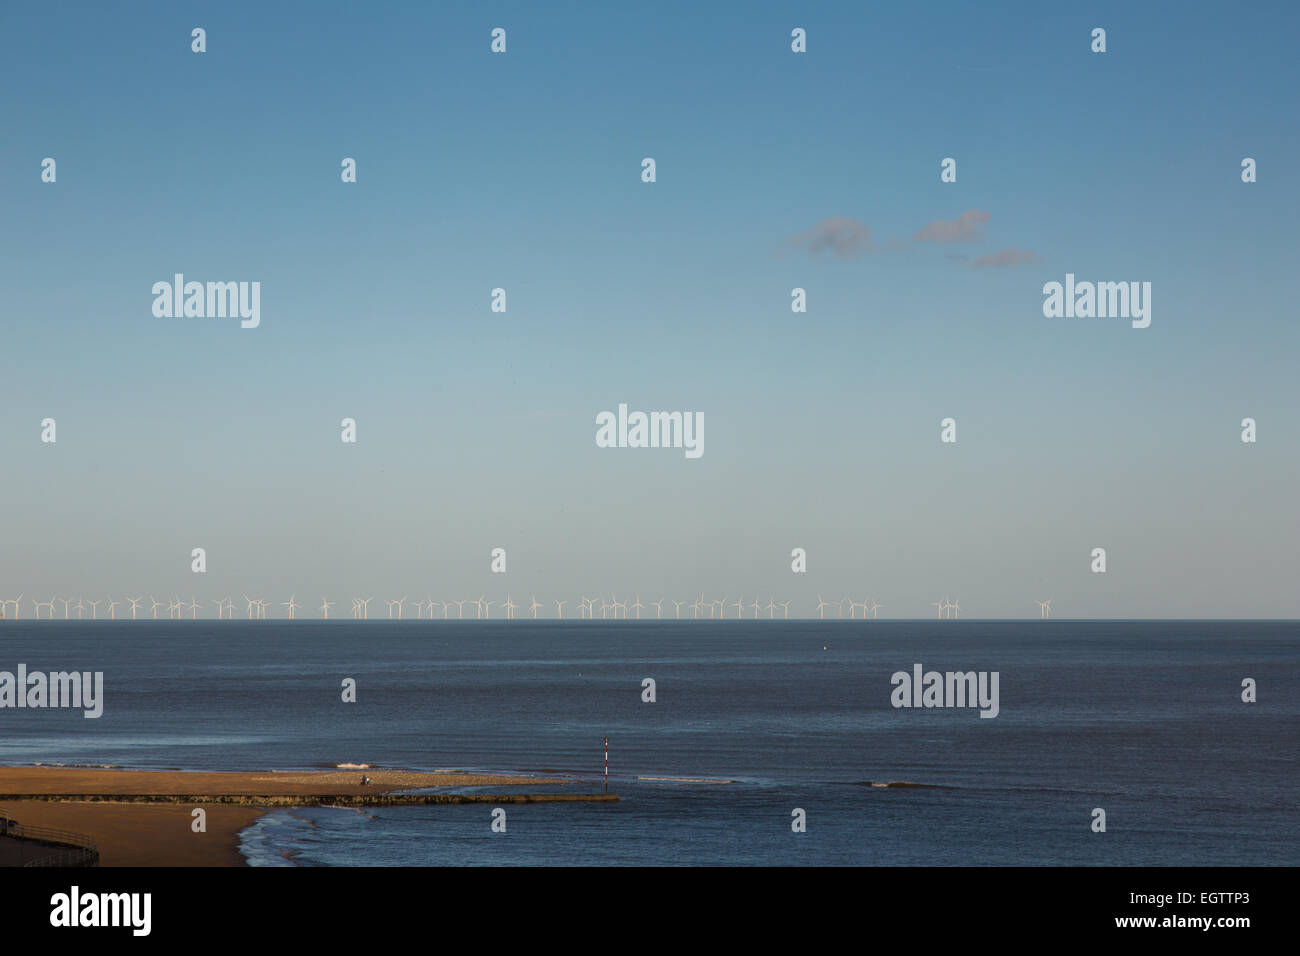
[[431, 610]]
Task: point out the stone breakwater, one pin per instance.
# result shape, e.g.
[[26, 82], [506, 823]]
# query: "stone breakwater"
[[316, 799]]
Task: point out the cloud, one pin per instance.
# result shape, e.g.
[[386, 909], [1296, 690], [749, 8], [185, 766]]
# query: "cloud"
[[962, 229], [842, 235], [1007, 257]]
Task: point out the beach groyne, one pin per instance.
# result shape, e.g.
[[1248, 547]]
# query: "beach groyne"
[[315, 799]]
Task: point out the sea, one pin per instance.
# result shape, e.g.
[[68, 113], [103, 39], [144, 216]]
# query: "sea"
[[755, 727]]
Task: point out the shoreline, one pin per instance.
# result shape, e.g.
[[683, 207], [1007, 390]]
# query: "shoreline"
[[145, 817]]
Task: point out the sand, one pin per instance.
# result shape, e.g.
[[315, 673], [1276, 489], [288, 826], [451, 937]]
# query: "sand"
[[144, 834], [160, 834]]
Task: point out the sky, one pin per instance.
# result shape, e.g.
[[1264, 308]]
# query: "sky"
[[775, 170]]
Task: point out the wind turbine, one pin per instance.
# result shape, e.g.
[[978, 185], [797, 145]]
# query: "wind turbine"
[[739, 605], [292, 604], [221, 606], [47, 604], [874, 608], [619, 604], [157, 604], [821, 608], [677, 610], [94, 609], [786, 605], [446, 608], [17, 607], [853, 608], [194, 608], [636, 604], [721, 606], [135, 605], [559, 609], [230, 609], [942, 606], [659, 608], [771, 608], [955, 608], [534, 606], [510, 608], [365, 608], [66, 602], [1044, 609], [251, 603], [325, 607]]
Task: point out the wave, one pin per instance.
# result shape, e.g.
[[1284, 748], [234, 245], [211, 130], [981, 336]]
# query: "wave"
[[903, 784], [80, 766]]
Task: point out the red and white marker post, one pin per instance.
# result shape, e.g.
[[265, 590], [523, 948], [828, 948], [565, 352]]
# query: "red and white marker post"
[[607, 765]]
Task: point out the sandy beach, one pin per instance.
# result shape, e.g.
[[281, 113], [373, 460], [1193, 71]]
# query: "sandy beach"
[[134, 834]]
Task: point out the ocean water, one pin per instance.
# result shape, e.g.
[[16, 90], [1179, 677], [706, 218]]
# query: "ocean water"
[[1142, 719]]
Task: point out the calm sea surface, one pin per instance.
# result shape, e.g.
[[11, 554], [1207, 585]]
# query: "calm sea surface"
[[1143, 719]]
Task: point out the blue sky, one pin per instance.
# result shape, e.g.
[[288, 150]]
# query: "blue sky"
[[522, 170]]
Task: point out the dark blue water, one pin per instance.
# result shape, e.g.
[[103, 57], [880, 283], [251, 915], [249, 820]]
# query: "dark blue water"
[[1143, 719]]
